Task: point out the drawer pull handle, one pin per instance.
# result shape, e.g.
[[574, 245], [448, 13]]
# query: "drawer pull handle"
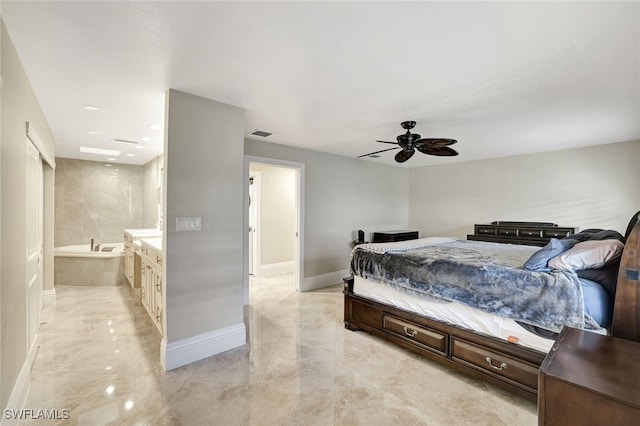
[[501, 367], [412, 334]]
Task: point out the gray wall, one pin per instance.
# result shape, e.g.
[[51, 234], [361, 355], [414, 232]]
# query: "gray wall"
[[19, 104], [586, 187], [203, 178], [277, 226], [342, 195], [95, 201]]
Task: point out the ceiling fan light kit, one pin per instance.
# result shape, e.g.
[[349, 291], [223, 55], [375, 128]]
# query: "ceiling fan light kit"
[[408, 143]]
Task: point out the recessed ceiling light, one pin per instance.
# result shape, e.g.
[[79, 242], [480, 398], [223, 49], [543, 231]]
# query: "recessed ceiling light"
[[100, 151], [131, 155], [125, 141], [111, 159], [139, 147], [155, 127], [93, 132], [108, 165], [145, 139], [92, 108]]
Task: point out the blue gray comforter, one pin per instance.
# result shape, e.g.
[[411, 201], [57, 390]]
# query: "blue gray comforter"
[[486, 276]]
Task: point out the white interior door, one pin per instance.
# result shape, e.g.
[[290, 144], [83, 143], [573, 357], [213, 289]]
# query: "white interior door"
[[254, 182], [34, 224], [252, 224]]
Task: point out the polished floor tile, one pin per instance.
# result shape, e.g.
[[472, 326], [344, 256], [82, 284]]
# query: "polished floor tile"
[[99, 358]]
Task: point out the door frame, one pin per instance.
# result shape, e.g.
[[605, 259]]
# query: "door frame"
[[298, 268], [33, 307], [255, 201], [47, 296]]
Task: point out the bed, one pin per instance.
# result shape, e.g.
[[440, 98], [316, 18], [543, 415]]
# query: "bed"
[[397, 291]]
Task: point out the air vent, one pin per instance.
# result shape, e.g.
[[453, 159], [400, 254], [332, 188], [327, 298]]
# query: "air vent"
[[261, 133]]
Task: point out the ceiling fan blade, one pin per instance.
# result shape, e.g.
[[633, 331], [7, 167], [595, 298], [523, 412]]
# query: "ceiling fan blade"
[[404, 155], [442, 151], [395, 143], [377, 152], [436, 142]]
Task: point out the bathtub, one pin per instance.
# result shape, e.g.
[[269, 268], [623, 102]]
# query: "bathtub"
[[78, 265]]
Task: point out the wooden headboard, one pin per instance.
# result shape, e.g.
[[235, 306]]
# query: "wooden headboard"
[[626, 310]]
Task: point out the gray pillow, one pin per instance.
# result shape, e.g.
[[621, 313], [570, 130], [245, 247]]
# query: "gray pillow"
[[538, 262]]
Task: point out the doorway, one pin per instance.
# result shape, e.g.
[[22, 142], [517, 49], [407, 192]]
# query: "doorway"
[[274, 212]]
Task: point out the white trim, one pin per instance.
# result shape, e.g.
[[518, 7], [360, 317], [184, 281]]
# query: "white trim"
[[21, 389], [271, 269], [39, 144], [256, 234], [49, 298], [192, 349], [324, 280]]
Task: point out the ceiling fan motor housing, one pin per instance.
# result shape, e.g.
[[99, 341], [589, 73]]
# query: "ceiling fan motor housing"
[[406, 140]]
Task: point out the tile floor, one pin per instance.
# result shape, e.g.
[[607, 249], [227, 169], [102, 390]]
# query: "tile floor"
[[99, 359]]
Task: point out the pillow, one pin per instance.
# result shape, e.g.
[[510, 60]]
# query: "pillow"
[[587, 255], [607, 276], [538, 260], [596, 234]]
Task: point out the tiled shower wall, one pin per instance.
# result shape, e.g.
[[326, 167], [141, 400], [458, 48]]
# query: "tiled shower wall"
[[95, 201]]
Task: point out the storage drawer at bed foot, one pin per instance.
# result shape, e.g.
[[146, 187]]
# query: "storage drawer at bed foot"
[[431, 339], [364, 314], [495, 363]]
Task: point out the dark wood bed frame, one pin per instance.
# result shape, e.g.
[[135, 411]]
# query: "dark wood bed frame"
[[508, 365]]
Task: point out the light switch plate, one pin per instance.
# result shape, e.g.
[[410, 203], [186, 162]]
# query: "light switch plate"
[[188, 224]]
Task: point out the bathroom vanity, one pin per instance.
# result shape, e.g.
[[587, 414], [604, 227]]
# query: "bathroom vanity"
[[143, 269]]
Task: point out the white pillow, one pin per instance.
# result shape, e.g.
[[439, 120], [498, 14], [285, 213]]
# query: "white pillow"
[[587, 255]]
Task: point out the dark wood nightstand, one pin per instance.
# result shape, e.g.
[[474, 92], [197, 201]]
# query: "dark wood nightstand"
[[590, 379]]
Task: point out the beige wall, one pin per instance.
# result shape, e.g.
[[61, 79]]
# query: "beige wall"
[[342, 195], [277, 226], [95, 201], [586, 187], [152, 181], [19, 105], [203, 178]]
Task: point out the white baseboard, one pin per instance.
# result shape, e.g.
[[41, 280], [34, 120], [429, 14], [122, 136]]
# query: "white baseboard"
[[49, 298], [18, 397], [324, 280], [280, 268], [192, 349]]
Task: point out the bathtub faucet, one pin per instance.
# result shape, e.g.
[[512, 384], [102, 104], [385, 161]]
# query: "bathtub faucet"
[[96, 247]]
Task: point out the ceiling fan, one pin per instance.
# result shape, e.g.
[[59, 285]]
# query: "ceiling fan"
[[409, 142]]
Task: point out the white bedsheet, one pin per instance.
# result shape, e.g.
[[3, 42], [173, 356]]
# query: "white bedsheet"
[[453, 313]]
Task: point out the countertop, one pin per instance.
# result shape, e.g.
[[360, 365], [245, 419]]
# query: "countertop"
[[153, 243], [144, 232]]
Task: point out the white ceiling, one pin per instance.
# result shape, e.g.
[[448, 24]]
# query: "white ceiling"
[[502, 78]]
